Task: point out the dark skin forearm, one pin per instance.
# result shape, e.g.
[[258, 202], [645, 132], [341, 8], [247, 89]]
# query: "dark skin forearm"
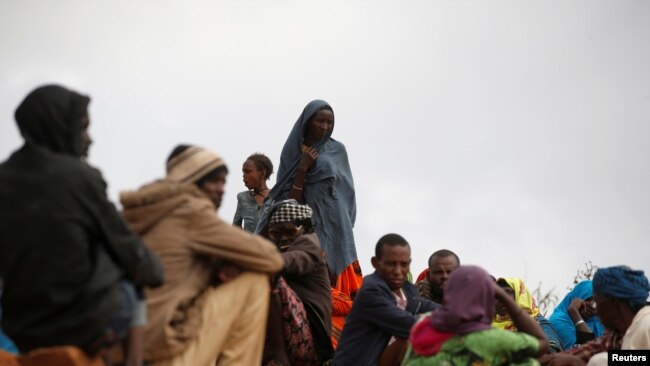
[[524, 322], [298, 186], [574, 314], [307, 159]]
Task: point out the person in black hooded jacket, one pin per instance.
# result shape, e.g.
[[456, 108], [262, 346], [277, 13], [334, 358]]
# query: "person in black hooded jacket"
[[68, 260]]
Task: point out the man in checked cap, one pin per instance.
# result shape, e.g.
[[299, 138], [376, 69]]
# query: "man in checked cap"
[[300, 315]]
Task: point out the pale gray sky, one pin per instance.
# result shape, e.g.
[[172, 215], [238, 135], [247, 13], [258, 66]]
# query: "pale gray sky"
[[512, 132]]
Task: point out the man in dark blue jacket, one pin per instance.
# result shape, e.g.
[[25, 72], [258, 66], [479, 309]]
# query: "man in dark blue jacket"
[[384, 309]]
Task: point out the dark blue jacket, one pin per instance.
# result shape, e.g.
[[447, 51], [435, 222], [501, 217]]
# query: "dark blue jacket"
[[374, 319]]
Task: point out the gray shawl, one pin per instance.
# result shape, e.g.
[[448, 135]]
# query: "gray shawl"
[[328, 190]]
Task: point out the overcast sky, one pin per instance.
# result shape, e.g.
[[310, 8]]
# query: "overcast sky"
[[514, 133]]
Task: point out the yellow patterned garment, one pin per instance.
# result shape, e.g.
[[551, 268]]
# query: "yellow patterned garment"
[[523, 298]]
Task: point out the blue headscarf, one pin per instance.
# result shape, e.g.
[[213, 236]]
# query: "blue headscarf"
[[623, 283], [562, 322], [5, 343], [328, 190]]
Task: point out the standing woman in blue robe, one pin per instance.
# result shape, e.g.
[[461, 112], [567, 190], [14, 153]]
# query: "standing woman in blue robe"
[[314, 169]]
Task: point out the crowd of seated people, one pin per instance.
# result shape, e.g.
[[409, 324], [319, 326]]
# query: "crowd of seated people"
[[165, 281]]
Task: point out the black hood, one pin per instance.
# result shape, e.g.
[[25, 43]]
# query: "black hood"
[[50, 116]]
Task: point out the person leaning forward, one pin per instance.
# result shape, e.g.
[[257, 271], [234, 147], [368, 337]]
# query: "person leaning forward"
[[69, 262], [215, 300]]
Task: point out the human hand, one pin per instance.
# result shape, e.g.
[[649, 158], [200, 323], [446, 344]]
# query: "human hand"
[[581, 309], [228, 272], [589, 309], [578, 304], [500, 294], [308, 159]]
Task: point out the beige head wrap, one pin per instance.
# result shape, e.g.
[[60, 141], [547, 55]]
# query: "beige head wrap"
[[192, 165]]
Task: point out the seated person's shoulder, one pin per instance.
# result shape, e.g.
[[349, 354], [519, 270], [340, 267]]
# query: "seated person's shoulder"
[[307, 241], [82, 173], [372, 286], [507, 340], [199, 201], [491, 344], [411, 290], [198, 209], [203, 217]]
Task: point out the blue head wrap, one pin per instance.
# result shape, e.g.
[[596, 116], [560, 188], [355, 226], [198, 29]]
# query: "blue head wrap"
[[562, 322], [623, 283]]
